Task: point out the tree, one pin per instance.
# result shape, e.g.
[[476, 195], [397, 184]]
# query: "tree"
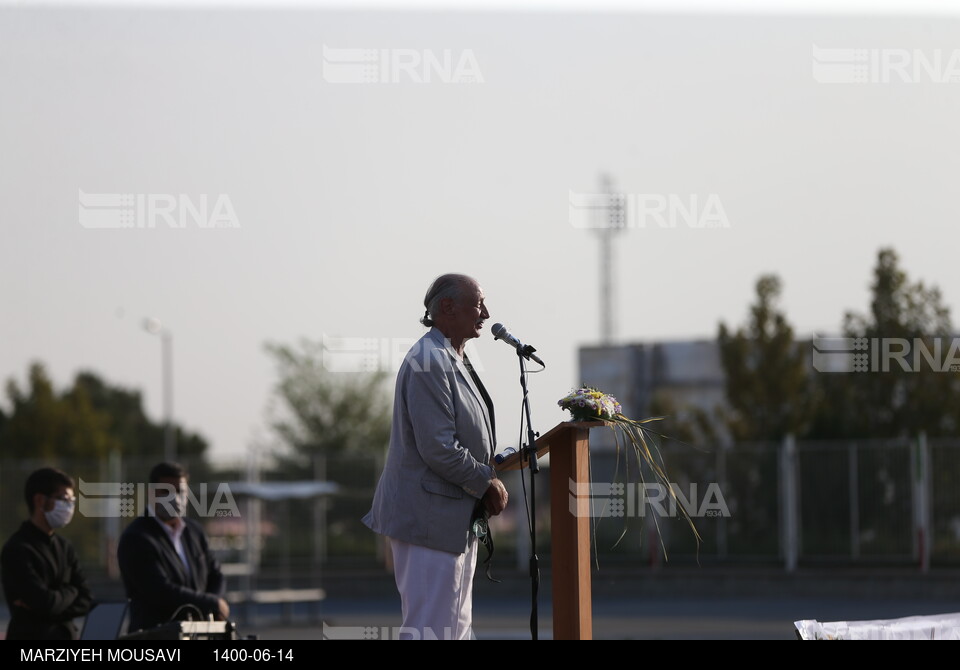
[[687, 423], [899, 399], [134, 431], [48, 426], [76, 429], [86, 421], [768, 387], [334, 425], [323, 412]]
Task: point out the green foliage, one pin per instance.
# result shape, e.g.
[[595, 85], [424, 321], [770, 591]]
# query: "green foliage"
[[319, 412], [768, 384], [47, 425], [894, 402], [88, 420], [87, 429], [131, 427], [772, 391], [686, 423]]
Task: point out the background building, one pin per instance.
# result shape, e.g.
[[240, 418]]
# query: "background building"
[[678, 378]]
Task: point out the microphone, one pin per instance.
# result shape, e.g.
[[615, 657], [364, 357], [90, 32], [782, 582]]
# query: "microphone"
[[501, 333]]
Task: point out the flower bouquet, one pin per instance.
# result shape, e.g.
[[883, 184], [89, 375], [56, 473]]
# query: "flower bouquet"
[[591, 404]]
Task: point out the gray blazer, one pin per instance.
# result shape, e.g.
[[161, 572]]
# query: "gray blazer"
[[441, 446]]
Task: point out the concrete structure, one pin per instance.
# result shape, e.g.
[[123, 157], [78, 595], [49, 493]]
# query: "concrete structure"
[[646, 378]]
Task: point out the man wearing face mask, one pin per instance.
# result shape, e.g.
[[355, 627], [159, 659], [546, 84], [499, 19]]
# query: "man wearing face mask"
[[42, 580], [168, 569]]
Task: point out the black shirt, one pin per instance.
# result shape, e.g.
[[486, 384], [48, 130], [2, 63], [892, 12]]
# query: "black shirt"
[[42, 572], [483, 392]]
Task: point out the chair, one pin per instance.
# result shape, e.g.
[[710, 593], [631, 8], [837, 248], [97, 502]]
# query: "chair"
[[106, 621]]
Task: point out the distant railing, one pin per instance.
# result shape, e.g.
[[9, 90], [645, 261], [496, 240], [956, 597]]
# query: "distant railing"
[[790, 504], [819, 502]]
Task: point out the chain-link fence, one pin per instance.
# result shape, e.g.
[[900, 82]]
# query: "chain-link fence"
[[862, 501], [804, 503]]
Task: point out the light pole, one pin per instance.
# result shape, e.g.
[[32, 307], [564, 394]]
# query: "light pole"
[[155, 327]]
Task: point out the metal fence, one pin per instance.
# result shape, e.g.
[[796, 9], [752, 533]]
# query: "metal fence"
[[268, 543], [788, 503], [863, 501]]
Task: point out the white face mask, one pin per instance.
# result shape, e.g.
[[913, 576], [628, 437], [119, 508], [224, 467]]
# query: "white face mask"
[[60, 515]]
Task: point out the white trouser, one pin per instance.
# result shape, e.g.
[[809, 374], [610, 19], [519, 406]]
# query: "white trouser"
[[436, 591]]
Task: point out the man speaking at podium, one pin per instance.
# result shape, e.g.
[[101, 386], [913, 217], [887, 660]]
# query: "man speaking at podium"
[[167, 567], [438, 479]]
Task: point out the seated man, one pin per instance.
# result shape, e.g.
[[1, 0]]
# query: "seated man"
[[168, 569], [44, 585]]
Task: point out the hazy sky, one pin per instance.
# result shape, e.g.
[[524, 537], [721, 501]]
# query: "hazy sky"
[[349, 198]]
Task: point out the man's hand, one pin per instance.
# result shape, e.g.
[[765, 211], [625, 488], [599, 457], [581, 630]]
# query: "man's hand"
[[495, 497], [224, 613]]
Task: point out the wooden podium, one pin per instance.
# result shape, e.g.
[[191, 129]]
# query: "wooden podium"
[[568, 444]]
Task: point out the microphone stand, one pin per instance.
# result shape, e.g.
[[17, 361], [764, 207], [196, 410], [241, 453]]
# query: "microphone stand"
[[529, 454]]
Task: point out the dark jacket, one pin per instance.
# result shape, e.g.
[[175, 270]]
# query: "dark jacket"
[[42, 572], [156, 581]]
